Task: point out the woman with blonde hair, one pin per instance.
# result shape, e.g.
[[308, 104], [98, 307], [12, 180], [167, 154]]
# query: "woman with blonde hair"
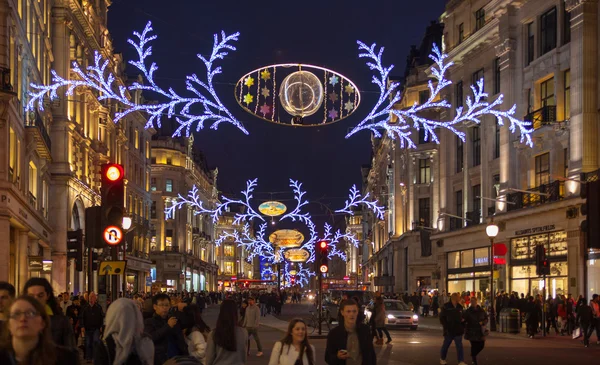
[[27, 337], [124, 341], [294, 348]]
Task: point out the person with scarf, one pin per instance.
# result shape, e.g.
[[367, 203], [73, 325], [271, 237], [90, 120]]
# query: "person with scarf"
[[41, 290], [124, 341]]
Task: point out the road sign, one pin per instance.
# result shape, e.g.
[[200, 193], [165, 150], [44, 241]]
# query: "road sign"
[[112, 268], [113, 235]]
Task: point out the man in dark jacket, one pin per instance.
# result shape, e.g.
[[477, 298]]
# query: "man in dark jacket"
[[585, 320], [350, 340], [452, 320], [165, 331], [92, 319]]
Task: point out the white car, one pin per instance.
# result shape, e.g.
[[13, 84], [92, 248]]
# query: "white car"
[[398, 313]]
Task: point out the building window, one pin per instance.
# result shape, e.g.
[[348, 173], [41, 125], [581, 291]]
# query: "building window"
[[459, 94], [169, 186], [497, 141], [478, 76], [422, 135], [529, 101], [459, 154], [229, 270], [458, 198], [168, 237], [153, 210], [567, 27], [169, 160], [424, 171], [461, 33], [476, 138], [567, 103], [423, 96], [566, 162], [136, 138], [479, 19], [530, 43], [147, 149], [153, 184], [497, 75], [542, 169], [548, 31], [424, 212], [33, 179], [228, 250], [547, 93], [153, 160], [476, 202]]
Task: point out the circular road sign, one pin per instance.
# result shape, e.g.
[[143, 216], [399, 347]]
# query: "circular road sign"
[[113, 235], [324, 269]]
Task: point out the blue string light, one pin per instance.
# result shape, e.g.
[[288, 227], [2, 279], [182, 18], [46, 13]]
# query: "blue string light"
[[99, 77], [379, 117]]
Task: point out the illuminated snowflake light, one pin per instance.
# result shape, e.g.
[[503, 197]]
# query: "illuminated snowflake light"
[[380, 116], [100, 78], [258, 244]]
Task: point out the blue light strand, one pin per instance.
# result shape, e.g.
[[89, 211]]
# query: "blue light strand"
[[99, 78], [356, 199], [379, 117]]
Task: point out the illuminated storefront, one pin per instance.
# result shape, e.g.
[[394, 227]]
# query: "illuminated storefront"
[[468, 271]]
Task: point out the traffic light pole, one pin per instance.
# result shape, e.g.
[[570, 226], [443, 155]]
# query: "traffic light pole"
[[90, 271], [320, 300], [114, 279], [543, 306]]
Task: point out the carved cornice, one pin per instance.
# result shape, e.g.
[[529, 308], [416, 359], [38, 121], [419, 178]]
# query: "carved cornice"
[[505, 46], [571, 5]]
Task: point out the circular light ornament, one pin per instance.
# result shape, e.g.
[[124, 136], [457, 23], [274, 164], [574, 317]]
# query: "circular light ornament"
[[298, 95], [272, 208], [113, 173], [301, 94], [286, 238], [296, 255]]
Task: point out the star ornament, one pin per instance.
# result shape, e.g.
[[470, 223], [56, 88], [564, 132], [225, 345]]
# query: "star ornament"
[[265, 74], [333, 97], [265, 92], [349, 106], [248, 98], [249, 81], [333, 114], [265, 109], [349, 89], [334, 80]]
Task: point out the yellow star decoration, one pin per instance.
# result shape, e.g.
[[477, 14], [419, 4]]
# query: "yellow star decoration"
[[265, 74], [248, 99], [349, 89], [249, 81]]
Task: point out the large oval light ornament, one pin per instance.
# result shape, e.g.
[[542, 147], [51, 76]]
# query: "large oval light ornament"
[[297, 95], [286, 238], [272, 208], [296, 255]]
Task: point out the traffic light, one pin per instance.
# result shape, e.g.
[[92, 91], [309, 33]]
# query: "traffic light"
[[322, 247], [591, 210], [542, 265], [75, 248], [293, 279], [95, 261], [113, 196]]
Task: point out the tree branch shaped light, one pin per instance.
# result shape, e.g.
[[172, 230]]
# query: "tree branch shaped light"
[[100, 78], [356, 199], [477, 107]]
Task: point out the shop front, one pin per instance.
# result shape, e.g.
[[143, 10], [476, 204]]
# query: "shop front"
[[593, 273], [469, 271]]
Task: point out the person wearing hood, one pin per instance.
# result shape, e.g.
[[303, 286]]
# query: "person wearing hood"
[[41, 290], [124, 341]]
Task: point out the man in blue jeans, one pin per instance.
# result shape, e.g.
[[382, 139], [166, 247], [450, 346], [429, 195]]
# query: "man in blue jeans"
[[92, 320], [452, 320]]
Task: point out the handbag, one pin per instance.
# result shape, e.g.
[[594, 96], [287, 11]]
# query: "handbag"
[[577, 333]]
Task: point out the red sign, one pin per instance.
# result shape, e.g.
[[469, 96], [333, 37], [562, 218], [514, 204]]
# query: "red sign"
[[499, 261], [113, 235], [234, 278], [500, 249], [346, 277]]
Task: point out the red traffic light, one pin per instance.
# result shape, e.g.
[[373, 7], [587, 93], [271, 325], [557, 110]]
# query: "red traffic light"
[[323, 245], [114, 172]]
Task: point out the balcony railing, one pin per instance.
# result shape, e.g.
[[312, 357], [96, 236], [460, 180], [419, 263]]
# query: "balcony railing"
[[542, 194], [5, 79], [456, 223], [492, 210], [171, 248], [474, 217], [541, 117], [32, 200], [34, 120]]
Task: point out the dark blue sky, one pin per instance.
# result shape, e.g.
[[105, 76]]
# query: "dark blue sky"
[[321, 32]]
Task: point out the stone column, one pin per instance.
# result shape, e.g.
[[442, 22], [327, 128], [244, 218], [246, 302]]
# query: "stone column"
[[4, 247], [22, 259], [584, 85]]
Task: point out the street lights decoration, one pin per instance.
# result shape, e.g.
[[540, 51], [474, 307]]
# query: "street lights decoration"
[[258, 244], [492, 231]]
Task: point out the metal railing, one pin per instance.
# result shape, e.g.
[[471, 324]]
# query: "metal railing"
[[474, 217], [547, 193], [171, 248], [34, 120], [455, 223], [544, 116]]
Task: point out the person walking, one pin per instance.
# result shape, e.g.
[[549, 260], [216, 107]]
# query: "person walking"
[[532, 318], [227, 343], [196, 332], [425, 303], [29, 338], [123, 341], [350, 343], [452, 321], [165, 331], [251, 323], [585, 319], [380, 316], [41, 290], [294, 348], [595, 324], [92, 320], [475, 321]]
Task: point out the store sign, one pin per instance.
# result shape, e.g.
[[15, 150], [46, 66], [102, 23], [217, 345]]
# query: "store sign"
[[35, 263], [547, 228], [481, 261]]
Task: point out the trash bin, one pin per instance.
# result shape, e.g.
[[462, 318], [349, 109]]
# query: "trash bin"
[[513, 320], [503, 320]]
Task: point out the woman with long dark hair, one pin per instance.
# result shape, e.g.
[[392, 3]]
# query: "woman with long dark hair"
[[227, 343], [380, 316], [41, 290], [196, 331], [294, 348], [27, 337]]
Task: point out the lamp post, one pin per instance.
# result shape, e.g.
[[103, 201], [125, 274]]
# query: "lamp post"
[[492, 231]]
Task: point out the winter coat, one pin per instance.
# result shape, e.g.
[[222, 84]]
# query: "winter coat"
[[337, 339], [451, 318], [380, 317], [475, 321], [62, 331], [104, 354], [584, 314], [160, 331]]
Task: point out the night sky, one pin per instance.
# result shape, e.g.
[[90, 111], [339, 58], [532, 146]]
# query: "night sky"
[[322, 32]]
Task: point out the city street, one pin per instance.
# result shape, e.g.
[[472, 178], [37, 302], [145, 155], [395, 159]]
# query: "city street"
[[422, 347]]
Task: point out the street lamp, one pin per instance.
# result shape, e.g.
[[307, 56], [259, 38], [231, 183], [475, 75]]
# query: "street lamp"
[[126, 222], [492, 231]]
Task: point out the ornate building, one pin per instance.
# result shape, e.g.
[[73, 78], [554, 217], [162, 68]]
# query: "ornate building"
[[232, 260], [182, 247]]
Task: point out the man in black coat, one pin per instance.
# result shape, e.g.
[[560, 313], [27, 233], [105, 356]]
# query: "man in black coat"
[[452, 320], [166, 332], [350, 340], [92, 320]]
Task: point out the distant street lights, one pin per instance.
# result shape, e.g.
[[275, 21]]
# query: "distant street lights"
[[492, 231]]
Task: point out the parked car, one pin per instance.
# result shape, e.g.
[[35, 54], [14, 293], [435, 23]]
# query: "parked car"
[[399, 314]]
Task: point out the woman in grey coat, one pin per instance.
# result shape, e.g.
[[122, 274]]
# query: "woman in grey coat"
[[475, 321], [227, 343]]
